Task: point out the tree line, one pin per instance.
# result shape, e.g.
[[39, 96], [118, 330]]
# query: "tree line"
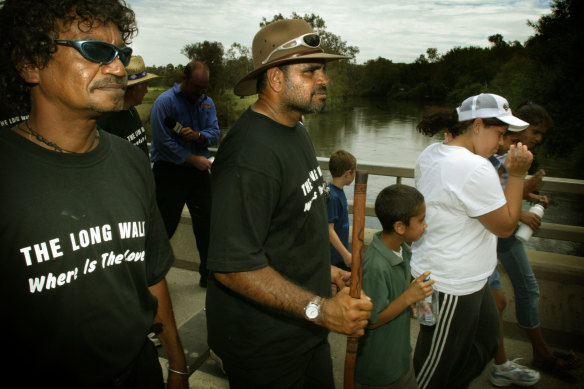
[[546, 69]]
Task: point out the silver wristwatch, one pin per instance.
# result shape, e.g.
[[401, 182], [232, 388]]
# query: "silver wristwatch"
[[312, 309]]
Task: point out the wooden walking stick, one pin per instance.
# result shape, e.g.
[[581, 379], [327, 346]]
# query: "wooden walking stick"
[[358, 234]]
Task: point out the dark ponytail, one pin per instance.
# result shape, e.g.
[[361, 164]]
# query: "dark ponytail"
[[439, 120]]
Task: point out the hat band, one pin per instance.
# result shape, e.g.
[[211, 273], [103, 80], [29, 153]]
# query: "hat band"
[[299, 54], [133, 77]]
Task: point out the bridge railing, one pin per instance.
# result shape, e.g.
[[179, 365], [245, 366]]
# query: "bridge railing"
[[560, 276], [552, 184]]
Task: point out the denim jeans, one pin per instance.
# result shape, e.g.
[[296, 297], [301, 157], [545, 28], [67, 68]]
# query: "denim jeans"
[[511, 253]]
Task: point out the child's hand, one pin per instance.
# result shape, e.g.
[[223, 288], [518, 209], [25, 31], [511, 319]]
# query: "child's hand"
[[533, 183], [531, 219], [339, 279], [419, 289]]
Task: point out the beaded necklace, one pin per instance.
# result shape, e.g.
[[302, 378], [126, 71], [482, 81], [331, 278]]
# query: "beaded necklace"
[[55, 146]]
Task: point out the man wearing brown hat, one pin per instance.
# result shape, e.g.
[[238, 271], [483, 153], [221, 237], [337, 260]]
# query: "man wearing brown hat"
[[269, 305], [127, 123]]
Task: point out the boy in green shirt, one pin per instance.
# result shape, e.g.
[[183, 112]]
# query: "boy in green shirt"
[[384, 354]]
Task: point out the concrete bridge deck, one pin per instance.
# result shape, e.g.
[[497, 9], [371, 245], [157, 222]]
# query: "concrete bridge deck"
[[564, 279]]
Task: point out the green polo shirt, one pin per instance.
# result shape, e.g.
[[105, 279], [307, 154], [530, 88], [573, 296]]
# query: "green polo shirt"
[[384, 352]]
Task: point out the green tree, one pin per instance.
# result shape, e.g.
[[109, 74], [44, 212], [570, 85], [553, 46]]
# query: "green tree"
[[433, 55], [497, 40], [515, 79], [502, 51], [210, 53], [379, 77], [472, 64], [237, 63], [331, 43], [169, 74], [558, 39]]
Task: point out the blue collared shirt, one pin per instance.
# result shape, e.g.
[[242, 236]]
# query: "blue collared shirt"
[[200, 116], [498, 161]]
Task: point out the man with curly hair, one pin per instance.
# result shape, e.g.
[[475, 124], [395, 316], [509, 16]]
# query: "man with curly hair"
[[82, 243]]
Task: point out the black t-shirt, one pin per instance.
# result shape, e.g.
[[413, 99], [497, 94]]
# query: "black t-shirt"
[[81, 240], [125, 124], [268, 210], [8, 120]]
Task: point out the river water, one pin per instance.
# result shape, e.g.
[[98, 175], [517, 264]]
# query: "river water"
[[387, 134]]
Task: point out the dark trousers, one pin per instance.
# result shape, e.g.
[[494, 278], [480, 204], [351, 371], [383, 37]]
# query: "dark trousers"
[[145, 372], [179, 185], [465, 338], [314, 370]]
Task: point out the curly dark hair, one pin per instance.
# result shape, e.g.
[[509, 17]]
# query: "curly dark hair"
[[534, 114], [29, 27]]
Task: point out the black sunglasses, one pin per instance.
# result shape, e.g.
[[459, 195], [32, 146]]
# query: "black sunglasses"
[[99, 51]]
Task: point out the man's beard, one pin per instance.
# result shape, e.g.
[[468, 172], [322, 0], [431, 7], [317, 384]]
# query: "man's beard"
[[118, 101], [311, 105], [118, 105]]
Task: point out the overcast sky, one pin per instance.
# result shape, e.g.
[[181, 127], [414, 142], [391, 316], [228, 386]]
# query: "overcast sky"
[[398, 30]]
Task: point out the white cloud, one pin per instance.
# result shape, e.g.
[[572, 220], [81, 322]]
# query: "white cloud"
[[396, 30]]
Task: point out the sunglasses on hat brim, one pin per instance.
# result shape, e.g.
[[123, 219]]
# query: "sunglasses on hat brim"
[[308, 40], [99, 51]]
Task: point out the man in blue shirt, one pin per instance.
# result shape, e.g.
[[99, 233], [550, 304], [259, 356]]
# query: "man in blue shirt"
[[184, 124]]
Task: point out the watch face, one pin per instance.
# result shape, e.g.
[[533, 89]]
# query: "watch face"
[[311, 311]]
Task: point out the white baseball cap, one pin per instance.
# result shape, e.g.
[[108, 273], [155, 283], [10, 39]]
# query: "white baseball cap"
[[488, 105]]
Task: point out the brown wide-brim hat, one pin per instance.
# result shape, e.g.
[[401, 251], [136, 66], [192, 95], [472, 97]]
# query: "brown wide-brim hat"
[[269, 38], [137, 72]]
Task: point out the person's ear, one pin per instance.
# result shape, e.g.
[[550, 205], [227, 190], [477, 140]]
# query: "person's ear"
[[399, 227], [275, 77], [28, 72], [476, 125]]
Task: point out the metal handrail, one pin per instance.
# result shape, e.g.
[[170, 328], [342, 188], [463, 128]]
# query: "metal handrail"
[[552, 184]]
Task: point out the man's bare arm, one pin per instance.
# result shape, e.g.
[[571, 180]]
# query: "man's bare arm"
[[339, 246], [169, 336], [266, 286]]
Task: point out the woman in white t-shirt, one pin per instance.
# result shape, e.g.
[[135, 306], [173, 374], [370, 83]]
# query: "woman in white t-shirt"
[[466, 209]]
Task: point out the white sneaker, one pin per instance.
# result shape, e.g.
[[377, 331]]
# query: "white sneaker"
[[512, 373]]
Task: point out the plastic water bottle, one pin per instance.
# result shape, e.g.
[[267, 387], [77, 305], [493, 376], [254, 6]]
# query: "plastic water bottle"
[[524, 232], [427, 309], [211, 158]]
